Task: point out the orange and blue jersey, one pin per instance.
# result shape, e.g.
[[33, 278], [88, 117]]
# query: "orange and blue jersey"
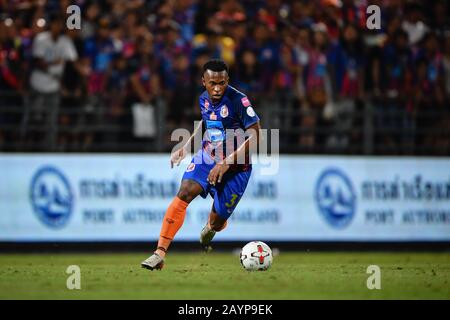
[[233, 111]]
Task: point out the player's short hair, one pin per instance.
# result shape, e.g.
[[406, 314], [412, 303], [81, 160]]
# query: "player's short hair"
[[215, 65]]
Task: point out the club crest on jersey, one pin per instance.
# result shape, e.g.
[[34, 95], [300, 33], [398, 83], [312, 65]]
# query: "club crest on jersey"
[[224, 111], [213, 116], [206, 104], [251, 112], [190, 167], [245, 102]]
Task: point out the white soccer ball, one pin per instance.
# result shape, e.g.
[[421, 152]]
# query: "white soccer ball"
[[256, 255]]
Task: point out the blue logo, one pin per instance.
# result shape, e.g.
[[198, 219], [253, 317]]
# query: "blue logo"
[[51, 197], [335, 198]]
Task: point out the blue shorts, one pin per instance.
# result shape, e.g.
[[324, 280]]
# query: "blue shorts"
[[227, 193]]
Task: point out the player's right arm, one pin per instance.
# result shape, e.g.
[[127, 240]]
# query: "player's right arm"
[[178, 155]]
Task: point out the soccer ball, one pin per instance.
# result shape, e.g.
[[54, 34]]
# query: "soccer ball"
[[256, 255]]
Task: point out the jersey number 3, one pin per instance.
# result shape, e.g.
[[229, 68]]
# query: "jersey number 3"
[[232, 201]]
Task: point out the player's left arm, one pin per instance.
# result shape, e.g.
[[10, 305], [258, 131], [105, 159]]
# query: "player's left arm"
[[243, 152]]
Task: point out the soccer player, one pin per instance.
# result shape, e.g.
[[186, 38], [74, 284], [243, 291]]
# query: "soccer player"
[[213, 170]]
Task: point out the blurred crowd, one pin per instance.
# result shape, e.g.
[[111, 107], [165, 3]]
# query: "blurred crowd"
[[311, 68]]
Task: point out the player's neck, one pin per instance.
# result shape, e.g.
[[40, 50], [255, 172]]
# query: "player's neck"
[[215, 103]]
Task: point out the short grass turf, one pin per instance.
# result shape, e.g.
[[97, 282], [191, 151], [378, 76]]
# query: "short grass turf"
[[305, 275]]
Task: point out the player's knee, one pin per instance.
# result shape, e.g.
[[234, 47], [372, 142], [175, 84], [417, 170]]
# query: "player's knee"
[[188, 191], [184, 195]]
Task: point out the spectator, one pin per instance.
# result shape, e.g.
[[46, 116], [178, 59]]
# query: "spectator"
[[310, 58], [317, 90], [144, 81], [220, 46], [180, 105], [89, 20], [166, 50], [414, 24], [284, 85], [11, 69], [247, 73], [100, 50], [74, 99], [395, 110], [267, 52], [348, 64], [430, 84], [184, 15], [51, 50]]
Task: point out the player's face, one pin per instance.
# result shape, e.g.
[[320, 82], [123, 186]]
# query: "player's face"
[[215, 83]]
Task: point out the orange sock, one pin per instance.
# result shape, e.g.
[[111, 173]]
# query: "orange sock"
[[173, 220]]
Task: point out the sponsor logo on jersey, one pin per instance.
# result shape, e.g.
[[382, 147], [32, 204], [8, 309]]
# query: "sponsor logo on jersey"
[[206, 104], [213, 116], [224, 111], [190, 167], [245, 102], [251, 112]]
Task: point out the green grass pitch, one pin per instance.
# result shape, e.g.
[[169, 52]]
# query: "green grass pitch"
[[306, 275]]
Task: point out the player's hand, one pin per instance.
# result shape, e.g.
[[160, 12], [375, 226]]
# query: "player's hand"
[[177, 156], [216, 173]]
